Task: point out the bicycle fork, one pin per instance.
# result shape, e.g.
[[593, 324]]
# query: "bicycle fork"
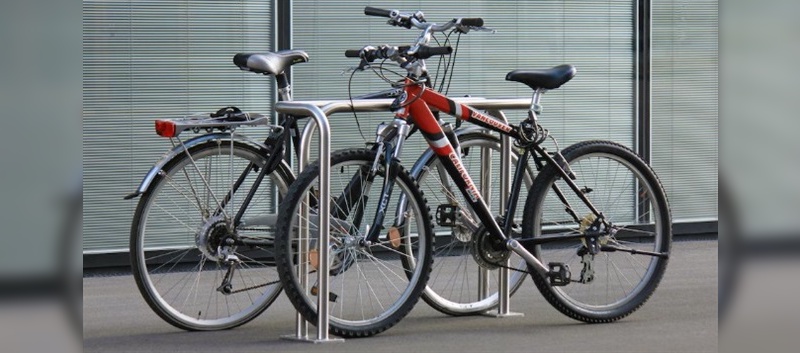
[[397, 131]]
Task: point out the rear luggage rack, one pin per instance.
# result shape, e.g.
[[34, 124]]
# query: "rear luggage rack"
[[225, 119]]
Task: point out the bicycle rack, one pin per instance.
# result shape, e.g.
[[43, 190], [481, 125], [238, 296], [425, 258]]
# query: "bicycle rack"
[[319, 112]]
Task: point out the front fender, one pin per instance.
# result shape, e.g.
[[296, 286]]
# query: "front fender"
[[177, 150]]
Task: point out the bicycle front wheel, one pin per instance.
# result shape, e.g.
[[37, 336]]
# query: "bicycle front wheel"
[[372, 285], [194, 267], [460, 285], [614, 282]]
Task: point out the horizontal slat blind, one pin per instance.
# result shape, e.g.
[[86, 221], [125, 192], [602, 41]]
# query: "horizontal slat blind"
[[595, 36], [685, 105], [144, 60]]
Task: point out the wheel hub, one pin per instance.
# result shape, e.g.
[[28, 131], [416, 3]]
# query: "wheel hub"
[[343, 253], [211, 238], [461, 233]]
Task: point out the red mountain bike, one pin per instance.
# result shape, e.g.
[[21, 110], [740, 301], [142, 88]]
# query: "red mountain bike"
[[596, 227]]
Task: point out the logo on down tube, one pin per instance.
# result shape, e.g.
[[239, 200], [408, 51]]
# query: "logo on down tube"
[[472, 191], [491, 122]]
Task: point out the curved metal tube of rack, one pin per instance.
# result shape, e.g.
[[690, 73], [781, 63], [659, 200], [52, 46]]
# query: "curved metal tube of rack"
[[319, 111]]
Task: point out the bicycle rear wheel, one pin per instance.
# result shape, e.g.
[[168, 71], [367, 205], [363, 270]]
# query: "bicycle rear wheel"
[[613, 283], [372, 285], [184, 243], [459, 285]]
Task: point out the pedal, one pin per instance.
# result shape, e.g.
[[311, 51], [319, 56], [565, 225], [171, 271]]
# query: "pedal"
[[559, 274], [331, 295], [446, 215]]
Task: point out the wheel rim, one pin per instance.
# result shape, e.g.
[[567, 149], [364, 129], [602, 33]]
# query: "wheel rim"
[[180, 279], [628, 201]]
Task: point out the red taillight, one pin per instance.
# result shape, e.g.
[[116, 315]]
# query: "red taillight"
[[165, 128]]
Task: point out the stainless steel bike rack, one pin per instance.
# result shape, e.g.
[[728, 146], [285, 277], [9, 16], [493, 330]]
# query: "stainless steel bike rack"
[[319, 119], [503, 291], [319, 111]]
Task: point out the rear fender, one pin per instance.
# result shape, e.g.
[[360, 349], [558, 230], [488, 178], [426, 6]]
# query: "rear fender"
[[179, 149]]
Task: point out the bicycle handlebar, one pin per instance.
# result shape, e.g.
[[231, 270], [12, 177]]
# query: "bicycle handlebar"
[[370, 54], [425, 52], [471, 22], [405, 56], [417, 20], [352, 53], [374, 11]]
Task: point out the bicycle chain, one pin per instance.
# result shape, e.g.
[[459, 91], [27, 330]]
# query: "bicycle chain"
[[254, 287], [514, 269], [255, 229]]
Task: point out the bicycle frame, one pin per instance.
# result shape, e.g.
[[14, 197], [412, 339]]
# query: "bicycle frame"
[[416, 104], [289, 134]]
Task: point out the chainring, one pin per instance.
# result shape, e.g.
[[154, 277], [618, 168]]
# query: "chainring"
[[484, 253]]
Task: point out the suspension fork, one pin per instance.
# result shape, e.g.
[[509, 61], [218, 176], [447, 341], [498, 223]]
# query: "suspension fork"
[[391, 154]]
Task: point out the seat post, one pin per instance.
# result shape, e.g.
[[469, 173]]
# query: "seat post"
[[284, 88], [536, 108]]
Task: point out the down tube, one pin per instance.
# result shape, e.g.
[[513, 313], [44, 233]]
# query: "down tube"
[[427, 124]]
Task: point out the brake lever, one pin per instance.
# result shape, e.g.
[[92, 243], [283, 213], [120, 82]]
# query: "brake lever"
[[465, 29], [361, 67], [484, 29]]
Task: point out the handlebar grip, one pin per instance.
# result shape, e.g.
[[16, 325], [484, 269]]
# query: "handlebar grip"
[[472, 22], [425, 52], [374, 11], [352, 53]]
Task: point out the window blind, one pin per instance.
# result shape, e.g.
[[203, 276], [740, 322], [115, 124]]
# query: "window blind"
[[595, 36], [144, 60], [685, 112]]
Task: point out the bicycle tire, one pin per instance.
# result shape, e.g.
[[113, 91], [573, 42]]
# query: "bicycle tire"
[[174, 233], [639, 212], [355, 309], [454, 287]]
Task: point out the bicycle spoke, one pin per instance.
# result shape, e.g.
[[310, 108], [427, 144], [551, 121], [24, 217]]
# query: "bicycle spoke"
[[206, 184], [155, 270], [367, 283], [193, 200], [165, 254], [178, 220], [386, 266]]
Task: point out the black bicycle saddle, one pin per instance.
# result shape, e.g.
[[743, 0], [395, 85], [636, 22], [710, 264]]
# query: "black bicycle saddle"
[[544, 78]]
